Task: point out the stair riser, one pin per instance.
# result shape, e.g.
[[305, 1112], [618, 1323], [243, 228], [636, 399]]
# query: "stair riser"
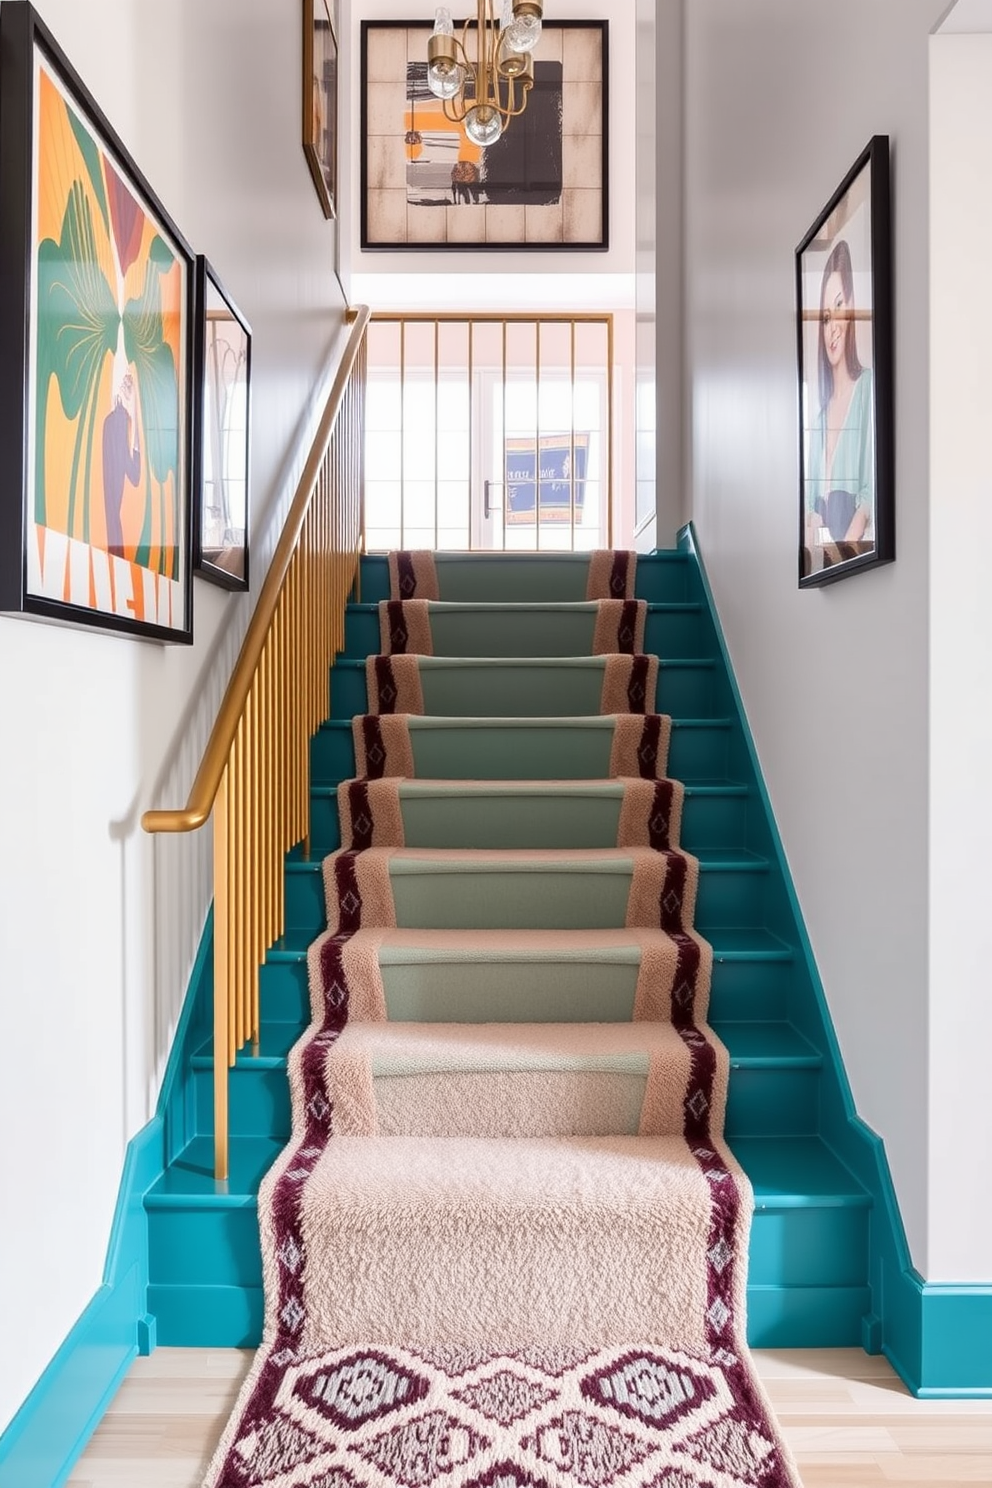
[[772, 1102], [698, 753], [660, 578], [683, 691], [760, 1102], [740, 990], [196, 1307], [788, 1317], [207, 1316], [807, 1246], [483, 901], [667, 633], [708, 823]]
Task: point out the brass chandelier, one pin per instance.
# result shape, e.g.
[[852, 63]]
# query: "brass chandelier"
[[484, 94]]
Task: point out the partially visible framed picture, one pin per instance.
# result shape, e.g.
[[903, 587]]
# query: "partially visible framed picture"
[[320, 101], [542, 185], [222, 442], [96, 291], [844, 323]]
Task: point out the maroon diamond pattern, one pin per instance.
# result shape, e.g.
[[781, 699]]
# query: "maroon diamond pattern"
[[650, 1388], [587, 1449], [365, 1386], [505, 1397], [423, 1450]]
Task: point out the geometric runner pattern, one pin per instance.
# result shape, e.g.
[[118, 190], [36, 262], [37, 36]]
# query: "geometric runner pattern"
[[637, 1417], [520, 1307]]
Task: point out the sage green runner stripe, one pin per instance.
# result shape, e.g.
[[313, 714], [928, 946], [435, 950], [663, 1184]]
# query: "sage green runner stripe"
[[524, 630], [570, 984], [512, 748], [578, 895], [507, 688], [532, 991], [582, 820], [462, 577]]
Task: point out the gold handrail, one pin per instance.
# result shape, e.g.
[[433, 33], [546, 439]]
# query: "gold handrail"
[[203, 791], [255, 774]]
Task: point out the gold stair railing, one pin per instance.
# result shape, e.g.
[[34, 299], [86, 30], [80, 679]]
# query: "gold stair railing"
[[255, 774]]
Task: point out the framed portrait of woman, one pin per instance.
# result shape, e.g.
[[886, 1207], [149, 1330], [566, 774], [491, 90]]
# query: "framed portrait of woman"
[[844, 332]]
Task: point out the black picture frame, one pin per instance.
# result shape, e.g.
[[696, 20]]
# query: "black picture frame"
[[222, 437], [844, 342], [543, 187], [320, 102], [96, 360]]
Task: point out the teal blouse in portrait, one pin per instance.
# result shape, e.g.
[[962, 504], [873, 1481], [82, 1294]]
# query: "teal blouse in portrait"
[[852, 476]]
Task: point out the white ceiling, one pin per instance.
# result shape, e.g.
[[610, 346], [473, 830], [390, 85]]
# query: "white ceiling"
[[968, 16]]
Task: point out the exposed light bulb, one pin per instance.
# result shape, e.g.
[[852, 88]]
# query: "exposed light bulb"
[[483, 125], [445, 77], [445, 74], [524, 31]]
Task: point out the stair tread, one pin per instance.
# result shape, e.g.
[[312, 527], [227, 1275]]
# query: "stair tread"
[[427, 860], [757, 1045], [773, 1164], [518, 607], [729, 944], [766, 1045], [598, 662], [423, 788], [787, 1172], [426, 1048]]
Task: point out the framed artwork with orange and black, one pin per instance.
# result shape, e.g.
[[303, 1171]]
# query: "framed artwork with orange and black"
[[844, 325], [541, 184], [96, 360]]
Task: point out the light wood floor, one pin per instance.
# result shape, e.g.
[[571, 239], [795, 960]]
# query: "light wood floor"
[[848, 1418]]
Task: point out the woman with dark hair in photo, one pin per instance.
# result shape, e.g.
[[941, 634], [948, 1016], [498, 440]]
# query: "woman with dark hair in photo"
[[840, 476]]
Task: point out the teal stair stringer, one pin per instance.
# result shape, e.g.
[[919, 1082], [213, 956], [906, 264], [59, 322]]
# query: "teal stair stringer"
[[50, 1430], [937, 1337]]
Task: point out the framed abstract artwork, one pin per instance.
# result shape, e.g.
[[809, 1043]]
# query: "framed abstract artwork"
[[222, 440], [844, 326], [541, 186], [320, 101], [96, 293]]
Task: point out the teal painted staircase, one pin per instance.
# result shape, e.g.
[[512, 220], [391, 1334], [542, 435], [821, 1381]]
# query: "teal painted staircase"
[[786, 1116]]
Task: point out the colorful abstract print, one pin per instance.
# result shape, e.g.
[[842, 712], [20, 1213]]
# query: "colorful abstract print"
[[109, 313]]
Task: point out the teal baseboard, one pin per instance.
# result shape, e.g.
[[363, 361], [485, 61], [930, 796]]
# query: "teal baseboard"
[[52, 1427], [937, 1337], [50, 1430]]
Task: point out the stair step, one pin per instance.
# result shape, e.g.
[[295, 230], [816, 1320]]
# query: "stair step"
[[503, 1080], [752, 976], [805, 1274], [458, 687], [519, 577], [461, 1239], [773, 1070], [671, 629], [528, 749], [533, 814], [461, 888]]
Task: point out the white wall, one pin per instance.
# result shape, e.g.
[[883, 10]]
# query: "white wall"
[[780, 100], [207, 99], [672, 497], [645, 289], [517, 281], [960, 1210]]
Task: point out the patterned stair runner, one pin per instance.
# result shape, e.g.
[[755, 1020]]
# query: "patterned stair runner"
[[506, 1245]]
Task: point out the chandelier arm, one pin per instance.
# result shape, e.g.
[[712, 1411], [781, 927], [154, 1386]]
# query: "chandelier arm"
[[449, 103]]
